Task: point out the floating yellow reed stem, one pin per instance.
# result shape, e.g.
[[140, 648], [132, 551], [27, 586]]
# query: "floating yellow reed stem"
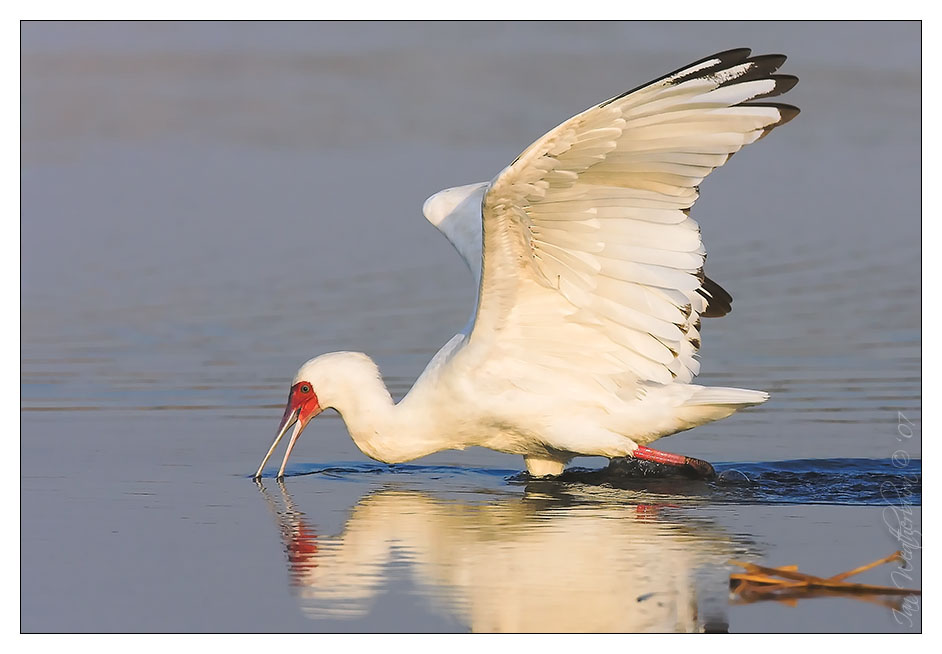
[[786, 584]]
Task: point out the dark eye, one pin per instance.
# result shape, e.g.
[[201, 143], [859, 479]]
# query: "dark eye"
[[305, 388]]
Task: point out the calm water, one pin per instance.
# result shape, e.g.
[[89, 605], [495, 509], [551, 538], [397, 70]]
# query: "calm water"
[[205, 206]]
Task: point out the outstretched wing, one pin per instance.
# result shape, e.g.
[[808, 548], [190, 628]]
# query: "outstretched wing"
[[590, 258], [456, 213]]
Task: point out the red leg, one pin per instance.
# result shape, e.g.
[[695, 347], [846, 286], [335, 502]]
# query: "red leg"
[[702, 468]]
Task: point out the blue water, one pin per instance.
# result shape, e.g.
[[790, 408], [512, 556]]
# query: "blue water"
[[855, 482]]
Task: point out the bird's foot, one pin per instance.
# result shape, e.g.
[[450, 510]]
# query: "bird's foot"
[[703, 468], [697, 467]]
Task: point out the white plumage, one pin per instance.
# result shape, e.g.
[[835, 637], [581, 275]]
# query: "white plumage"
[[586, 328]]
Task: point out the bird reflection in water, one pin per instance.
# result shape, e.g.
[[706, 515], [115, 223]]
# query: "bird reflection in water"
[[549, 561]]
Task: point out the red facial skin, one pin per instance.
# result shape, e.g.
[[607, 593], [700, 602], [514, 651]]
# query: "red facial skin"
[[303, 397]]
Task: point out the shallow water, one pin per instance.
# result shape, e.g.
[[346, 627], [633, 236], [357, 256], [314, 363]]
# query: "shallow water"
[[205, 206]]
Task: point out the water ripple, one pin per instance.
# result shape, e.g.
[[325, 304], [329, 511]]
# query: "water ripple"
[[859, 482]]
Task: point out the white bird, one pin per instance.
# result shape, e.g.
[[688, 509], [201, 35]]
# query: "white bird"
[[586, 326]]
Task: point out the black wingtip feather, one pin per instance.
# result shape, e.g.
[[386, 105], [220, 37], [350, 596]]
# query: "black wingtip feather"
[[788, 112], [769, 62], [763, 67], [733, 54], [726, 59], [783, 84], [719, 302]]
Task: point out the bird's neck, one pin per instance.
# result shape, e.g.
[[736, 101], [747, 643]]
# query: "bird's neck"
[[383, 430]]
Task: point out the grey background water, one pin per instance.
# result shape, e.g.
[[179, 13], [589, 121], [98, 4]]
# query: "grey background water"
[[205, 206]]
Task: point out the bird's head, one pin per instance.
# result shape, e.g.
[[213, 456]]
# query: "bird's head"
[[314, 388]]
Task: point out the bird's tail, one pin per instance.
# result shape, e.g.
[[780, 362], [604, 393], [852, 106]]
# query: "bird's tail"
[[711, 403], [738, 397]]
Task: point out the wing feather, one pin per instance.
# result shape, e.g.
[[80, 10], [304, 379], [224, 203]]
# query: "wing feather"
[[590, 261]]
